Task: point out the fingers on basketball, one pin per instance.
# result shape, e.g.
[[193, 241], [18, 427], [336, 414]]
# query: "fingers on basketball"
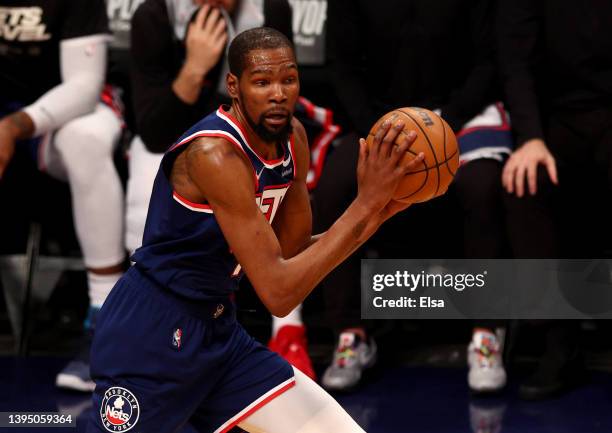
[[429, 175]]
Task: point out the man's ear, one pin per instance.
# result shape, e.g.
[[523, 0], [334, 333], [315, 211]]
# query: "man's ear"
[[232, 85]]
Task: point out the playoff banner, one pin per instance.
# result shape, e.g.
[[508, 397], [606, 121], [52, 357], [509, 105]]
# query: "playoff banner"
[[486, 289], [309, 18]]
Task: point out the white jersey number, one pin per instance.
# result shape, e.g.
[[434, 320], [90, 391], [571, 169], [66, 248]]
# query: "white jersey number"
[[268, 202]]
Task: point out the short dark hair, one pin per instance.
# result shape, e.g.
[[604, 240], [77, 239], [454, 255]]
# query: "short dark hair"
[[259, 38]]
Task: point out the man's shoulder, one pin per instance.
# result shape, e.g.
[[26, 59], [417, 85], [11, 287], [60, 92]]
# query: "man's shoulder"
[[213, 150], [215, 163]]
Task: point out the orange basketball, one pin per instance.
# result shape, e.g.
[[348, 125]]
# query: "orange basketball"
[[439, 144]]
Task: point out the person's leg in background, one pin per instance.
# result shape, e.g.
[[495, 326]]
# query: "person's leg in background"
[[355, 349], [81, 152], [479, 191], [533, 233], [288, 339], [566, 222], [142, 167]]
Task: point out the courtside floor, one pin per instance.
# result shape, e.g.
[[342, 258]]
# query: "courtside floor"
[[398, 399]]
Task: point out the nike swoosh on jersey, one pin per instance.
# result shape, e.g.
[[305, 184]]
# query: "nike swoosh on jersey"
[[260, 172]]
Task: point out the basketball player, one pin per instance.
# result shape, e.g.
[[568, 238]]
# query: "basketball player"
[[170, 96], [168, 349]]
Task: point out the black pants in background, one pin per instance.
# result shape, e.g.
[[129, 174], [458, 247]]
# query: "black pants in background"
[[571, 220]]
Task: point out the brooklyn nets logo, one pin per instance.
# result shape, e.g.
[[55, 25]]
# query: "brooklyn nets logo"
[[120, 410]]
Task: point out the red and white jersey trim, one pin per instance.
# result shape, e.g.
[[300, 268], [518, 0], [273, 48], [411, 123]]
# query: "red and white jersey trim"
[[257, 404], [197, 207]]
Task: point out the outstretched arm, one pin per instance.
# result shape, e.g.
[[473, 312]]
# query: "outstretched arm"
[[283, 283]]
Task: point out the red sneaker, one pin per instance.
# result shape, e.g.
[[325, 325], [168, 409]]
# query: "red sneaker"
[[290, 343]]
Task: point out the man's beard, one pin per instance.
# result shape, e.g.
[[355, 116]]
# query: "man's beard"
[[279, 136]]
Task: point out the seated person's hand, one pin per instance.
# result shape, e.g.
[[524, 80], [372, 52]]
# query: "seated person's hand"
[[523, 163], [205, 40]]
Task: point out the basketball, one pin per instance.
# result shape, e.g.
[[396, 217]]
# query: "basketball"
[[439, 144]]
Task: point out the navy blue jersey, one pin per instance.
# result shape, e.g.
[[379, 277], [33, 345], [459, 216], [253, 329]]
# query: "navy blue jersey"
[[183, 248]]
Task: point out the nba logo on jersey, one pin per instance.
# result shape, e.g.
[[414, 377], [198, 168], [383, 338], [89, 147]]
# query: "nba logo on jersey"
[[176, 338], [119, 410]]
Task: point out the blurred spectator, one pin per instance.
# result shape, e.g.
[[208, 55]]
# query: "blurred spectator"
[[118, 74], [309, 37], [556, 61], [179, 69], [396, 54], [52, 66]]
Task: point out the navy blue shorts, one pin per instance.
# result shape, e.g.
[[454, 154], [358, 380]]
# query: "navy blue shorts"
[[160, 361]]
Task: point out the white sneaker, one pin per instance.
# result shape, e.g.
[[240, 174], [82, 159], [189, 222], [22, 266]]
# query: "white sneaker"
[[351, 357], [487, 373]]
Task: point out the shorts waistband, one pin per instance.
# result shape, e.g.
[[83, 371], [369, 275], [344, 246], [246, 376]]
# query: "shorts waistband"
[[203, 310]]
